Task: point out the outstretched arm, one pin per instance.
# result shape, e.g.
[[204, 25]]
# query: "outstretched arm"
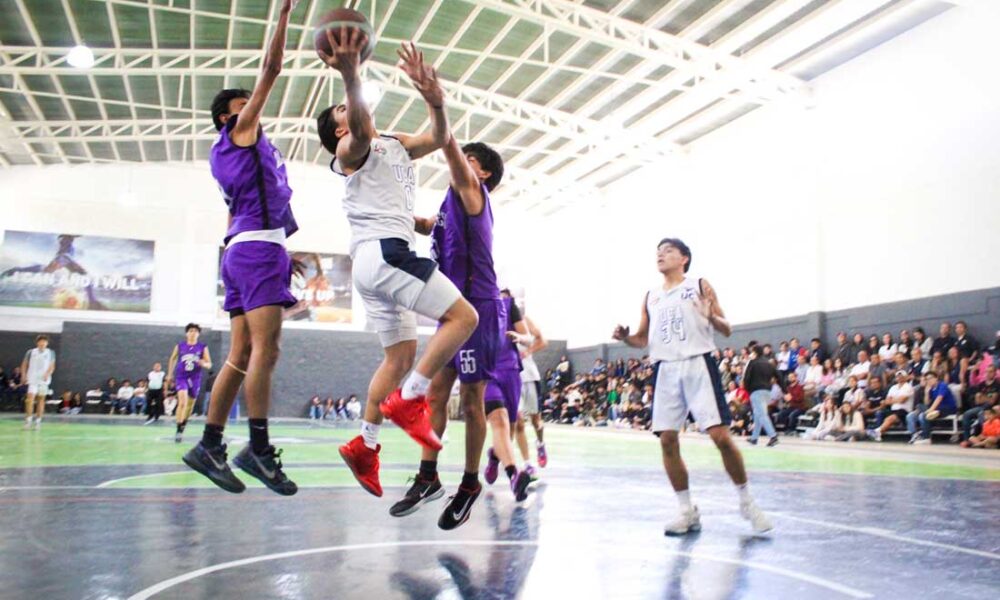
[[346, 58], [424, 78], [463, 178], [639, 339], [245, 131]]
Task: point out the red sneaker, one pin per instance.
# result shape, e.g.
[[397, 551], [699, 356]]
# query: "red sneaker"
[[413, 416], [363, 462]]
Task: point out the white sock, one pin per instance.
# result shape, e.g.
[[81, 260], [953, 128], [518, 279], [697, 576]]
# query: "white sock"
[[744, 492], [416, 385], [369, 433], [684, 499]]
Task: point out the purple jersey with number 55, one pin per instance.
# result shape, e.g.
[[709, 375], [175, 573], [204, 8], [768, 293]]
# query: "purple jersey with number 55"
[[463, 247], [254, 183]]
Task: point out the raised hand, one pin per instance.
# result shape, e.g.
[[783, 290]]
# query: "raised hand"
[[423, 76], [346, 56], [288, 6], [621, 332]]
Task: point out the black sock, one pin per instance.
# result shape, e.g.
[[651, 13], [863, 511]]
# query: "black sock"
[[180, 427], [258, 436], [428, 470], [470, 481], [511, 471], [212, 436]]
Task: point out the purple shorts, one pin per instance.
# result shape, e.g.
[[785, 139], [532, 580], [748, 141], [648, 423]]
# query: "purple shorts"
[[477, 359], [504, 388], [256, 274], [191, 382]]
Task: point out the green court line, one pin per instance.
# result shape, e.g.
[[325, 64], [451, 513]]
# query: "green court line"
[[80, 444]]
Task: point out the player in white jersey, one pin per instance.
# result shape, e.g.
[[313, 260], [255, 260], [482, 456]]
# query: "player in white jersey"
[[531, 380], [677, 323], [393, 282], [38, 365]]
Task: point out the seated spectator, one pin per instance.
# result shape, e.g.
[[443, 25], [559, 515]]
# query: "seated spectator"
[[816, 349], [599, 368], [329, 408], [737, 394], [878, 369], [860, 370], [353, 408], [853, 394], [920, 340], [109, 392], [813, 377], [137, 405], [122, 398], [784, 357], [905, 344], [169, 399], [315, 408], [990, 438], [899, 363], [897, 405], [985, 398], [942, 404], [887, 351], [873, 346], [843, 351], [944, 341], [853, 424], [795, 405], [968, 346], [874, 396], [957, 376], [739, 417], [830, 423], [66, 401], [918, 364]]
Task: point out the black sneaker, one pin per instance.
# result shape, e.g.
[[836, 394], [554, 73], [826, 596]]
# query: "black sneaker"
[[773, 441], [267, 468], [211, 462], [752, 441], [459, 507], [421, 492]]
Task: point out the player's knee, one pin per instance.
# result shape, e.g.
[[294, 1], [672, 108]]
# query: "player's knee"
[[464, 315], [669, 443], [519, 426]]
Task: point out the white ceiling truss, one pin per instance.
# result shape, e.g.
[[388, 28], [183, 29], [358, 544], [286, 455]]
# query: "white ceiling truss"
[[574, 94]]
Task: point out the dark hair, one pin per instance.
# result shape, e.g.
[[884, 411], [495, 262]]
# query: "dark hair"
[[191, 326], [326, 126], [962, 323], [41, 337], [756, 349], [681, 247], [817, 340], [220, 104], [489, 159]]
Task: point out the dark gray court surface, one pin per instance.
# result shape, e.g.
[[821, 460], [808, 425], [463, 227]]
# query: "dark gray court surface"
[[582, 534]]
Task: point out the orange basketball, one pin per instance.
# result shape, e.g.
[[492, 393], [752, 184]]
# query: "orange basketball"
[[334, 21]]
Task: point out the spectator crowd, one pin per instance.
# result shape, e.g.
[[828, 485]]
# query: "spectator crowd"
[[867, 388]]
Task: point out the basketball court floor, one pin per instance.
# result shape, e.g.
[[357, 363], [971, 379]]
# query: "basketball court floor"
[[105, 509]]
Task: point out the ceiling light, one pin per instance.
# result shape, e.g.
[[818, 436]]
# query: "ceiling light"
[[80, 57], [371, 91]]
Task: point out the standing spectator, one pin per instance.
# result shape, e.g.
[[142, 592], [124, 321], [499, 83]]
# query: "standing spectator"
[[38, 365], [942, 404], [967, 345], [861, 369], [155, 394], [844, 349], [905, 344], [897, 404], [760, 374], [564, 369], [784, 358], [888, 349], [944, 341], [853, 424], [137, 405], [985, 395], [920, 340], [795, 405]]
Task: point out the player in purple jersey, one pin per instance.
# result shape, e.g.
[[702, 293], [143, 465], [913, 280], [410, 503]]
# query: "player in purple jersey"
[[502, 400], [256, 271], [463, 244], [186, 362]]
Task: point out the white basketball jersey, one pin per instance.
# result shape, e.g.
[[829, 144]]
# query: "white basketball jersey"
[[529, 370], [379, 196], [39, 362], [677, 330]]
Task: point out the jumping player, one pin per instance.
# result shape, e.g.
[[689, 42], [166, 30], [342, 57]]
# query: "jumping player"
[[677, 323], [380, 188], [463, 244], [256, 270], [502, 400], [184, 369]]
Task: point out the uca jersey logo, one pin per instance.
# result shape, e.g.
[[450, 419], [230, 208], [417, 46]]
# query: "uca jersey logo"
[[688, 294], [379, 148]]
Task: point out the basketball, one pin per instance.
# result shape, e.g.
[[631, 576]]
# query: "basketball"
[[343, 17]]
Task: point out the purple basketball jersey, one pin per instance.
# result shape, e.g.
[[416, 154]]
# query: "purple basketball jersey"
[[254, 183], [508, 356], [189, 359], [463, 247]]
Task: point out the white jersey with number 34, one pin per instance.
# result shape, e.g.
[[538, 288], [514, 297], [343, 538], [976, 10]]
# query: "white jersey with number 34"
[[379, 196], [677, 329]]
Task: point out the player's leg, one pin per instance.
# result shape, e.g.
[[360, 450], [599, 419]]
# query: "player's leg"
[[669, 417], [181, 412], [209, 456], [521, 438], [259, 458], [40, 404], [460, 507], [29, 406], [506, 387], [538, 425]]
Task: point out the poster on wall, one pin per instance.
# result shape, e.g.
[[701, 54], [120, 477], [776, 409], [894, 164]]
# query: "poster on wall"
[[323, 291], [78, 272]]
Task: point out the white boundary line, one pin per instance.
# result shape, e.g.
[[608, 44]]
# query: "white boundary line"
[[169, 583]]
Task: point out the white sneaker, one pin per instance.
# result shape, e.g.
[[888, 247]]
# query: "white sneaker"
[[27, 423], [758, 520], [38, 424], [915, 437], [922, 441], [688, 521]]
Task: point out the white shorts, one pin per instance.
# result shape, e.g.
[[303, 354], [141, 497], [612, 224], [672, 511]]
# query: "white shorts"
[[529, 397], [38, 389], [394, 283], [688, 386]]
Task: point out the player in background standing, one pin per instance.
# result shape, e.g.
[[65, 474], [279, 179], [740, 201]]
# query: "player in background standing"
[[677, 324], [38, 366]]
